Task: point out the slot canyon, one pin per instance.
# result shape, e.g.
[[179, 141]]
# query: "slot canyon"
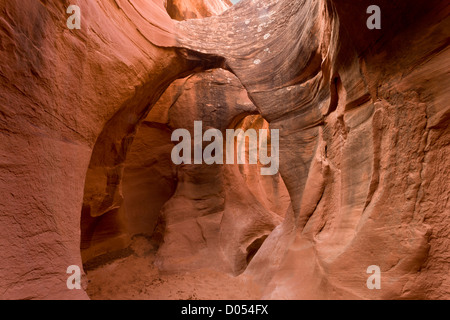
[[87, 177]]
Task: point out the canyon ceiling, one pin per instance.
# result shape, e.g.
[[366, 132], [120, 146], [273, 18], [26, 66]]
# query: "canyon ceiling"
[[363, 116]]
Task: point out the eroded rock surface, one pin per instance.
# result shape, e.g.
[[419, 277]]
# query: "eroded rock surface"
[[210, 203], [219, 214], [195, 9], [356, 140], [363, 118], [60, 90]]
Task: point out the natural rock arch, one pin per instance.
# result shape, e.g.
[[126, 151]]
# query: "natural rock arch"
[[63, 87]]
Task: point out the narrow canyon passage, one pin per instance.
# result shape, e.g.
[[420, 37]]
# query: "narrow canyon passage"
[[352, 115], [157, 226], [191, 227], [333, 106]]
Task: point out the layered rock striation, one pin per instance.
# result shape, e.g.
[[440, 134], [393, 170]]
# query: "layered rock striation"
[[354, 102], [364, 141]]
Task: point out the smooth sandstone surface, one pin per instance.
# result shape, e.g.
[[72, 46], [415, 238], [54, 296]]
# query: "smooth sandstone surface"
[[61, 91], [364, 137], [347, 118], [218, 212]]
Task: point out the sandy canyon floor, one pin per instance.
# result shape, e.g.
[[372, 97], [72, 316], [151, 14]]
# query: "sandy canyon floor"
[[136, 277]]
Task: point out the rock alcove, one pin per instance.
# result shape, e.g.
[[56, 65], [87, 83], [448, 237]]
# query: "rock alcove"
[[85, 121]]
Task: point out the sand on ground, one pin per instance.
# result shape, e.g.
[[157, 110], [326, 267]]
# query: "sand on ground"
[[135, 277]]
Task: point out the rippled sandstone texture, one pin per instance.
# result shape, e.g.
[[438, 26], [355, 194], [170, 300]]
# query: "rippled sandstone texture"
[[217, 216], [61, 92], [364, 132], [363, 118], [195, 9]]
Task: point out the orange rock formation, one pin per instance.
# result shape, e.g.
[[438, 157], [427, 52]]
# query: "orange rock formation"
[[86, 117]]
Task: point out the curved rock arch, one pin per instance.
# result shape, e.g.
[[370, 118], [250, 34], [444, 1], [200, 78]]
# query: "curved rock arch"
[[64, 86]]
